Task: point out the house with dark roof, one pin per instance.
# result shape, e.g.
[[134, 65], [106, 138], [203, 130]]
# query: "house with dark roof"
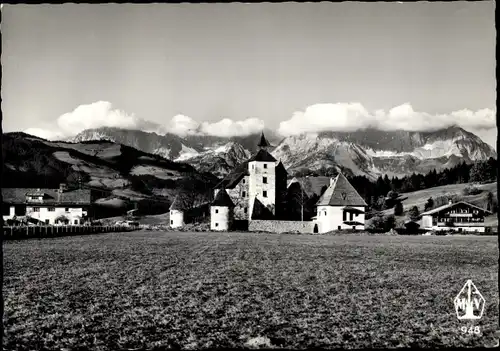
[[455, 216], [340, 207], [48, 206]]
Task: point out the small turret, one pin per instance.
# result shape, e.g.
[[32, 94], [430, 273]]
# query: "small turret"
[[221, 211]]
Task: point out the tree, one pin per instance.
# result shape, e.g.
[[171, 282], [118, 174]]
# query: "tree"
[[489, 201], [398, 208], [478, 172], [429, 204], [413, 213]]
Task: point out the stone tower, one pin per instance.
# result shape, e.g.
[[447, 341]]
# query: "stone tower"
[[262, 178]]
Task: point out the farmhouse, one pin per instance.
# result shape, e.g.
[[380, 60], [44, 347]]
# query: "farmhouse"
[[459, 216], [340, 207], [47, 206]]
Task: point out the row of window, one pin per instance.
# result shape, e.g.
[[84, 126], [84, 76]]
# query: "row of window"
[[244, 194], [50, 209], [265, 166], [245, 210], [344, 215]]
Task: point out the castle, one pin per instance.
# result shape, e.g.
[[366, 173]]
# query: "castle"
[[256, 194]]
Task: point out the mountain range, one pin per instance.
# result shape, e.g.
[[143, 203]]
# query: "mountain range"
[[368, 152]]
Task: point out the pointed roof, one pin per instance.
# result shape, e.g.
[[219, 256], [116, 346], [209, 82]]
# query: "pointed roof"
[[259, 211], [179, 204], [222, 199], [263, 141], [341, 193], [263, 156], [281, 168]]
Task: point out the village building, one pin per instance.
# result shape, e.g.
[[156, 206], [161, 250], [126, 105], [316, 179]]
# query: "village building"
[[340, 207], [455, 216], [260, 194], [178, 209], [48, 206], [221, 212]]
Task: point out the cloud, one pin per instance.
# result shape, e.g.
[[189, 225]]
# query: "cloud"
[[89, 116], [100, 114], [184, 125], [353, 116]]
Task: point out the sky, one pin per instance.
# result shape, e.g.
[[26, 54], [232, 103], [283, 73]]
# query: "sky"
[[231, 69]]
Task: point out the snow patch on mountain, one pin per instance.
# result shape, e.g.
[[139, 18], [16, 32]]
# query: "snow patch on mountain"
[[163, 152], [186, 153]]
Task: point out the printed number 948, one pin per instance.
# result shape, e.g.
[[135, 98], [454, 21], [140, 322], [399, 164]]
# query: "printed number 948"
[[471, 330]]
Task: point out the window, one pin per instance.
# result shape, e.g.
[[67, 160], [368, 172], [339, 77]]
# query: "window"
[[216, 224], [350, 216], [244, 194], [338, 227], [47, 221], [243, 181], [265, 165], [66, 209], [264, 180], [216, 211], [171, 222], [353, 227], [344, 216], [264, 193], [51, 209], [36, 209], [245, 210], [324, 212], [76, 221]]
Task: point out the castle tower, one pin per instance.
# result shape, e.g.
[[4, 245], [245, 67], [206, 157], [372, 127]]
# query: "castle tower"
[[262, 178], [177, 210], [221, 212]]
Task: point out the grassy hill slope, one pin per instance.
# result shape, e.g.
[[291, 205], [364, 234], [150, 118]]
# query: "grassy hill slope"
[[419, 198], [125, 173]]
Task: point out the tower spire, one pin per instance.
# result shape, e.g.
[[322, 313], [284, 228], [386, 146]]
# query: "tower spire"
[[263, 143]]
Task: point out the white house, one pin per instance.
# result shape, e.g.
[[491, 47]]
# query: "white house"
[[340, 207], [47, 206], [459, 216], [221, 212]]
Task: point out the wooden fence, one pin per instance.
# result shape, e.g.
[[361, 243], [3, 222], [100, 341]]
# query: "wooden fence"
[[25, 232]]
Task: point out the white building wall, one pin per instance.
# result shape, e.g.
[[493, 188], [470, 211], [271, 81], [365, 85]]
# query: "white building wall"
[[176, 218], [12, 213], [427, 221], [220, 218], [479, 229], [256, 185], [330, 218], [73, 214]]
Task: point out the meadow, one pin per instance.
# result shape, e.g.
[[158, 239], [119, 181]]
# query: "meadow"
[[199, 290]]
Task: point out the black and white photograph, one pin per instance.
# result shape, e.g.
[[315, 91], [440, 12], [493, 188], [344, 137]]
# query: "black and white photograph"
[[249, 176]]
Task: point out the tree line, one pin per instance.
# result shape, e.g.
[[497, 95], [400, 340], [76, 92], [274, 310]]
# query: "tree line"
[[375, 192]]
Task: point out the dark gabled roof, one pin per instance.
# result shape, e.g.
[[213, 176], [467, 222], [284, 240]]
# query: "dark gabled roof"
[[262, 156], [341, 193], [263, 141], [232, 179], [180, 204], [51, 196], [444, 207], [222, 199]]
